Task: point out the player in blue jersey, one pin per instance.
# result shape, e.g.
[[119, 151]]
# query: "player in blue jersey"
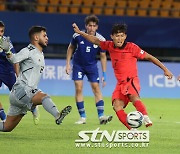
[[8, 73], [85, 63], [7, 70]]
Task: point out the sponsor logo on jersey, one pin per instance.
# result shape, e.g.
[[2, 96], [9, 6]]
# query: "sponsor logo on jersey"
[[82, 42], [95, 46]]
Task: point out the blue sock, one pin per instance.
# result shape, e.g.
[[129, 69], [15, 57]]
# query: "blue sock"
[[2, 114], [81, 110], [100, 108]]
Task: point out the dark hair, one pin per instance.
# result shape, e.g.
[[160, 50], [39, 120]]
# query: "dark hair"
[[91, 18], [2, 24], [36, 29], [119, 28]]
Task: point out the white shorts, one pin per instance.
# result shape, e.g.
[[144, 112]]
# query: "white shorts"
[[21, 99]]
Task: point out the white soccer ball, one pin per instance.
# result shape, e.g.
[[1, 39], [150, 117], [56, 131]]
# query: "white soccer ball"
[[135, 119]]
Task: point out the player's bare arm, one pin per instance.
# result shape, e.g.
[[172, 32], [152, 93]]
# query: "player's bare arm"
[[103, 64], [16, 69], [158, 63], [90, 38], [70, 51]]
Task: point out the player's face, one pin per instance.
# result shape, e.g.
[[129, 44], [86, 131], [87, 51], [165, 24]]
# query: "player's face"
[[1, 31], [91, 28], [118, 39], [43, 39]]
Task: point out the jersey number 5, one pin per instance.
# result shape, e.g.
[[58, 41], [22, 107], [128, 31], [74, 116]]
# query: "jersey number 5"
[[88, 49]]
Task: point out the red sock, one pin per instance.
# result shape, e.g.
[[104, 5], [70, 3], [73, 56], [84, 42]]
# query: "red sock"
[[140, 107], [122, 117]]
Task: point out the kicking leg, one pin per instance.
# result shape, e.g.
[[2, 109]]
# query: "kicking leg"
[[49, 106], [138, 104]]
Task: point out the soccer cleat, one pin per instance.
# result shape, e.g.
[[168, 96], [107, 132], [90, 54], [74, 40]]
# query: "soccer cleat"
[[62, 114], [36, 115], [147, 121], [81, 121], [105, 119]]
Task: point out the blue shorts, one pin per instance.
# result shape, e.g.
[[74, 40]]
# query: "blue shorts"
[[8, 80], [91, 72]]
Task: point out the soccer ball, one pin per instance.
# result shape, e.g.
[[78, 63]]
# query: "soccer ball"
[[135, 119]]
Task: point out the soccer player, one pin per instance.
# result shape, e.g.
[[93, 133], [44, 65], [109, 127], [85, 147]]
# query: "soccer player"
[[85, 63], [25, 95], [124, 57], [7, 70], [8, 73]]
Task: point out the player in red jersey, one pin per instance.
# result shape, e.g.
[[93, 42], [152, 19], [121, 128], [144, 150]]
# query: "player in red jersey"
[[124, 56]]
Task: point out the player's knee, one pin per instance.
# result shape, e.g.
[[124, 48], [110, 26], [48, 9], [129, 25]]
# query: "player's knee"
[[117, 105]]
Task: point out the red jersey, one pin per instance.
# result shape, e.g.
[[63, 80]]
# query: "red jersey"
[[124, 60]]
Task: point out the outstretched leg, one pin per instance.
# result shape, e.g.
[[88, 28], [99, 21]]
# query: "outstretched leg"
[[10, 123], [49, 106], [138, 104]]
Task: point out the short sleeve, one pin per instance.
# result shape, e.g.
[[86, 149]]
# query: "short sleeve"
[[104, 45], [138, 52]]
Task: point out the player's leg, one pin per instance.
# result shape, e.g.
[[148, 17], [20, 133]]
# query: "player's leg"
[[36, 115], [80, 101], [77, 76], [138, 104], [47, 103], [9, 81], [10, 123], [100, 103], [118, 106], [133, 90]]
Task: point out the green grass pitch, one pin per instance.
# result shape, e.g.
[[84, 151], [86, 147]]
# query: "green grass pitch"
[[49, 138]]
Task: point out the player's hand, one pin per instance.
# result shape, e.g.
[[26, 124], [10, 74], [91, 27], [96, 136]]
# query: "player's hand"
[[76, 28], [5, 43], [104, 79], [68, 69], [168, 74], [103, 82]]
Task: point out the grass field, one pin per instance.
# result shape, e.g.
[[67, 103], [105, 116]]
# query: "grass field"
[[49, 138]]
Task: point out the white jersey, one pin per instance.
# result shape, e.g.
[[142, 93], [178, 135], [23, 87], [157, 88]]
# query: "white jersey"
[[31, 62]]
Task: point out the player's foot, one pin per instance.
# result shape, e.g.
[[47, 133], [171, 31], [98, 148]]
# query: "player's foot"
[[147, 121], [81, 121], [105, 119], [36, 115], [62, 114]]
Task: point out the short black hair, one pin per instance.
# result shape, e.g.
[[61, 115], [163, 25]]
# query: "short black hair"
[[36, 29], [2, 24], [119, 28], [91, 18]]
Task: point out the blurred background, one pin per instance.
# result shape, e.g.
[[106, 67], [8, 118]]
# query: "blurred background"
[[154, 25]]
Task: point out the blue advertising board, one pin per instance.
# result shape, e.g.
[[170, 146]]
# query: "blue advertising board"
[[154, 84]]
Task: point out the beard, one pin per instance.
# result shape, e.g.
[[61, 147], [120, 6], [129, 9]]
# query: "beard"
[[42, 45]]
